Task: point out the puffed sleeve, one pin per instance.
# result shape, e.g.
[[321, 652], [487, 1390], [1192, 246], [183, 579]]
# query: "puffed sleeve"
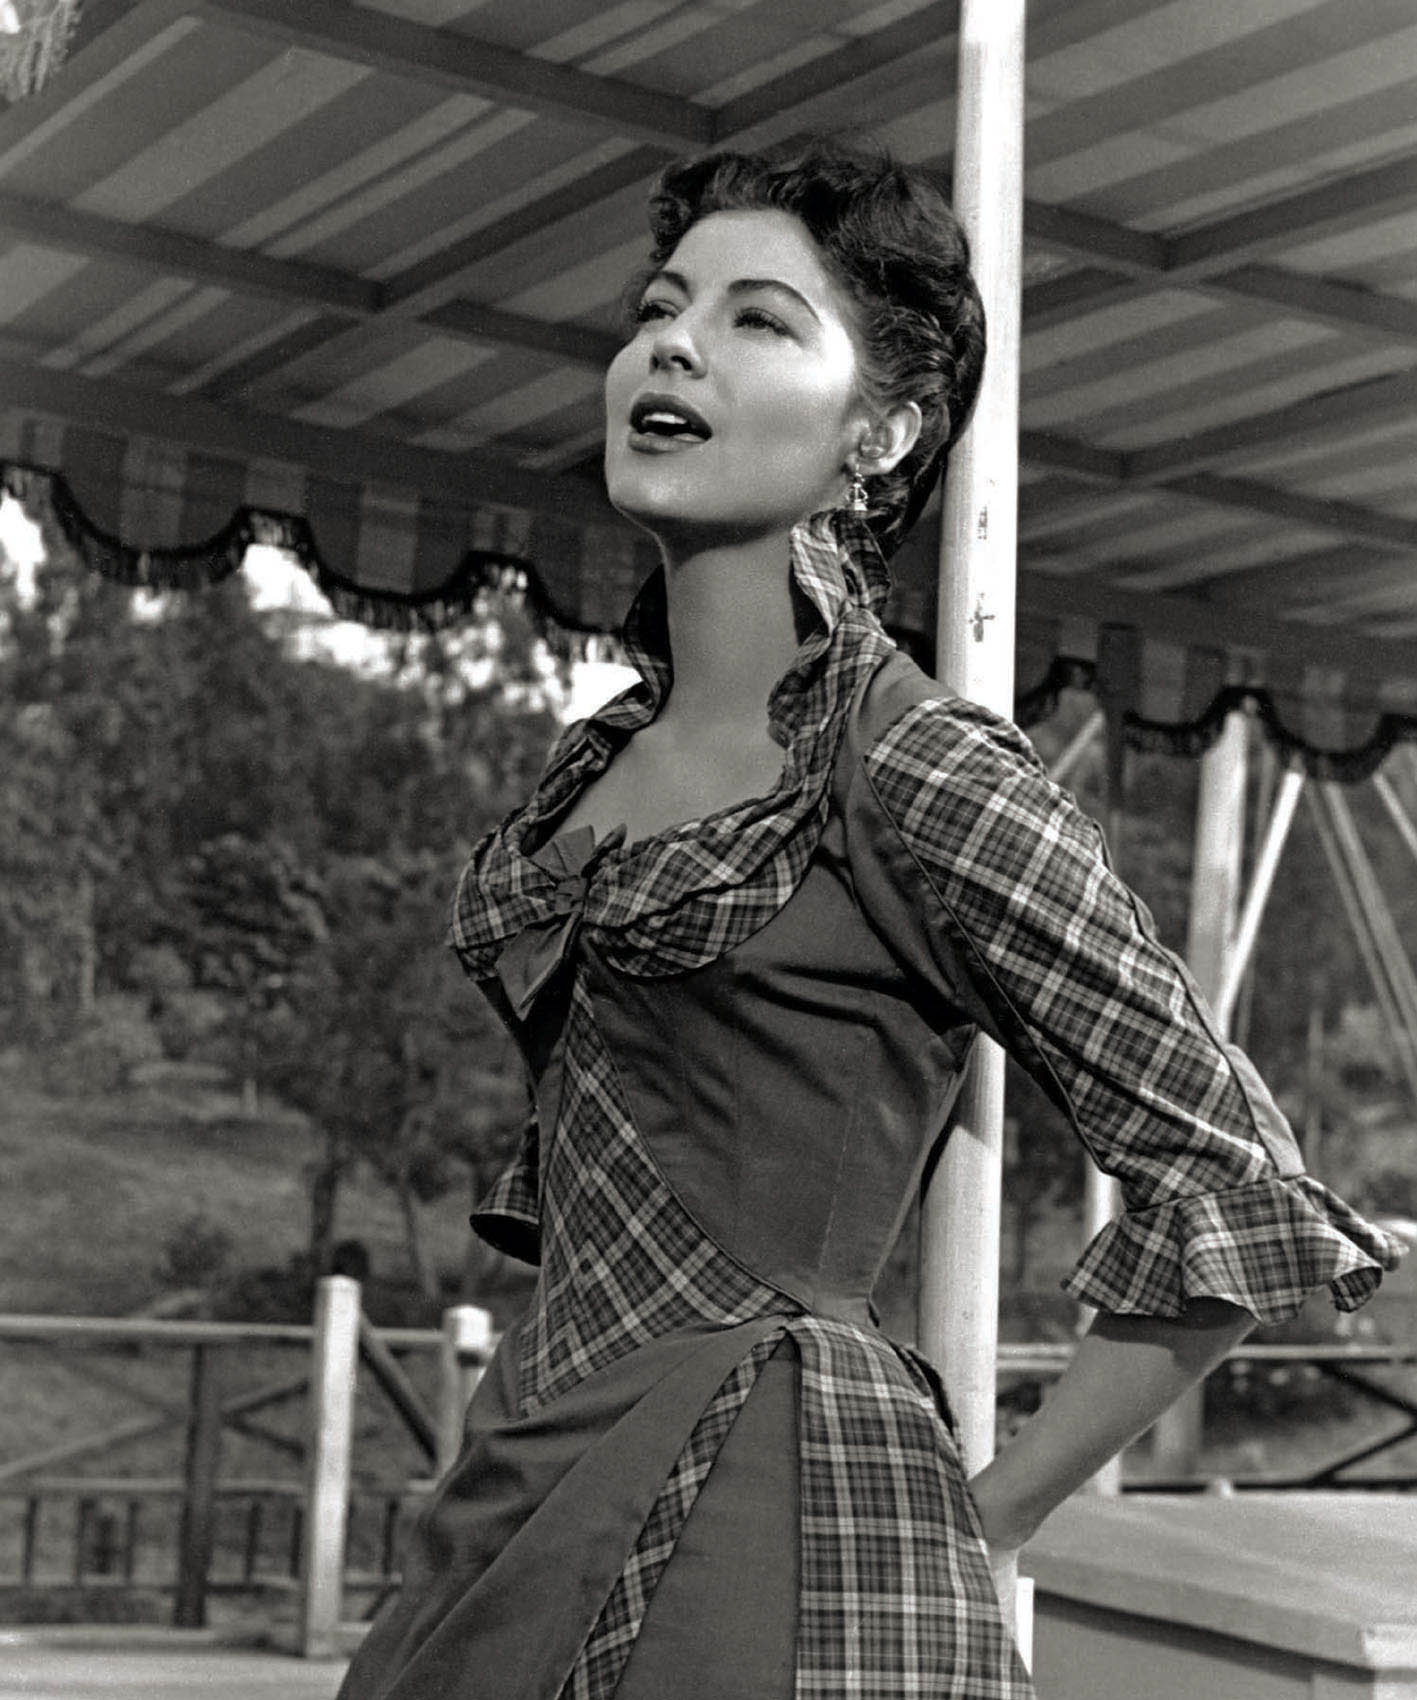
[[1034, 938]]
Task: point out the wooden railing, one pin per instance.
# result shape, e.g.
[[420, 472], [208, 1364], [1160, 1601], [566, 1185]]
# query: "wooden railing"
[[293, 1533]]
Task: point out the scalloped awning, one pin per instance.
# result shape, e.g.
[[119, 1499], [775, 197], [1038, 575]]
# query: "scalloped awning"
[[356, 267]]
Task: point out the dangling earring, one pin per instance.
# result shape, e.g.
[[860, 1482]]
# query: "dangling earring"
[[857, 500]]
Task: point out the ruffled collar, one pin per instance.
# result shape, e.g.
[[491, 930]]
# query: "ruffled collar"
[[684, 896], [835, 564]]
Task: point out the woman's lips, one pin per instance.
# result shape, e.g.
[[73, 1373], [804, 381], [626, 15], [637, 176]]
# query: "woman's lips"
[[663, 417], [651, 443]]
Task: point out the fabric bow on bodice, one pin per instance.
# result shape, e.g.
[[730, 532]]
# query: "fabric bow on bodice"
[[534, 954]]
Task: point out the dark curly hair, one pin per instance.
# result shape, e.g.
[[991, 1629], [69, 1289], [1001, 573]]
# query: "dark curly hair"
[[888, 236]]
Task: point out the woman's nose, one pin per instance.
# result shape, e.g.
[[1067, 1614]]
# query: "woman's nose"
[[675, 345]]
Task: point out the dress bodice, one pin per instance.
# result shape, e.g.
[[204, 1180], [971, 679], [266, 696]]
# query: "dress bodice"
[[787, 1090]]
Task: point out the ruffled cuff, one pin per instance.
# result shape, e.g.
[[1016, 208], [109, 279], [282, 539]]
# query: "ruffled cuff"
[[507, 1217], [1264, 1247]]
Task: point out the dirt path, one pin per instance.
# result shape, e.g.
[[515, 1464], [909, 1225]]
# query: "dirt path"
[[34, 1670]]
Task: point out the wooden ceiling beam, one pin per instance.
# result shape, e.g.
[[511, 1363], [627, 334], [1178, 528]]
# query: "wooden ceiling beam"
[[1063, 230], [168, 251], [765, 112], [1077, 459], [249, 273], [1120, 263], [1052, 505], [333, 453], [245, 272], [425, 289], [446, 59], [776, 107], [1095, 466], [1374, 402], [1326, 300], [1356, 198], [440, 278], [1348, 519], [1330, 302], [1087, 289], [1304, 580], [580, 345]]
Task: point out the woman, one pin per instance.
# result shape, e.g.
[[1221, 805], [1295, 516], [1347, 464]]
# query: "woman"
[[744, 932]]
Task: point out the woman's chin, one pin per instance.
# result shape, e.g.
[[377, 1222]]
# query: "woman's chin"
[[677, 516], [647, 503]]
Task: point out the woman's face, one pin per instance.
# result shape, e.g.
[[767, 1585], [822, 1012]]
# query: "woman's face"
[[735, 407]]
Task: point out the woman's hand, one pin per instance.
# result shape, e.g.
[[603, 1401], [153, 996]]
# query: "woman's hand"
[[1006, 1522], [1124, 1374]]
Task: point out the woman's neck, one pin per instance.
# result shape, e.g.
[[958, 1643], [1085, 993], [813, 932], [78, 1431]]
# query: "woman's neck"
[[732, 630]]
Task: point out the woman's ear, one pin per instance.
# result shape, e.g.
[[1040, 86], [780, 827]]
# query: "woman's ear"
[[889, 439]]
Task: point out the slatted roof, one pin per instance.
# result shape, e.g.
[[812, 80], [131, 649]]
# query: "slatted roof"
[[359, 263]]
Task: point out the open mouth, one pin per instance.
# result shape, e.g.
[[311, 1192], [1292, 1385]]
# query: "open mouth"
[[653, 416]]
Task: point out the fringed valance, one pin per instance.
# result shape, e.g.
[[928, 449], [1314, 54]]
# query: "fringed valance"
[[1193, 737], [514, 555], [147, 513], [192, 566], [34, 39]]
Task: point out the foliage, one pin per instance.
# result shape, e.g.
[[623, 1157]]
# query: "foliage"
[[260, 846], [386, 1050], [196, 1252], [101, 1054]]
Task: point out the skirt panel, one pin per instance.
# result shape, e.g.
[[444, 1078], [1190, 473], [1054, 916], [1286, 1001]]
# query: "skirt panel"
[[536, 1569]]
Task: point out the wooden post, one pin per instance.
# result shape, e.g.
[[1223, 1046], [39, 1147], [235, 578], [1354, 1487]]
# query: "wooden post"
[[335, 1360], [1101, 1193], [1360, 924], [1314, 1070], [959, 1284], [1386, 937], [1082, 740], [1237, 957], [1397, 814], [194, 1539], [467, 1339], [1215, 898]]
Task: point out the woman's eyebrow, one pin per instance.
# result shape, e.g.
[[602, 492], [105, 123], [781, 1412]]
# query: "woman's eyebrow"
[[750, 285], [739, 286]]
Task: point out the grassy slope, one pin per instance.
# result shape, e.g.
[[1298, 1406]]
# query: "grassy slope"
[[95, 1189]]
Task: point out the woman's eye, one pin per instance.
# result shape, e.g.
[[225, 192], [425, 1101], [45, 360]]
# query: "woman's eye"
[[756, 319], [647, 311]]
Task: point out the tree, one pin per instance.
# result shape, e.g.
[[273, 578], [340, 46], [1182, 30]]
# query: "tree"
[[386, 1050], [175, 776], [248, 921], [62, 708]]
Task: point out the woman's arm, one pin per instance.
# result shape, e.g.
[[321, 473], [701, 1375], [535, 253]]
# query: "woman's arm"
[[1124, 1374]]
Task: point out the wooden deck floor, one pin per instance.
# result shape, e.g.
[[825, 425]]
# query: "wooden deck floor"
[[109, 1668]]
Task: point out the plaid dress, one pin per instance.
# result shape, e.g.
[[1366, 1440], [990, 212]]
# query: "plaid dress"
[[744, 1034]]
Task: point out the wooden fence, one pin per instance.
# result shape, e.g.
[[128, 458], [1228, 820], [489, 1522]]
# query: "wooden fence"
[[291, 1533], [298, 1533]]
